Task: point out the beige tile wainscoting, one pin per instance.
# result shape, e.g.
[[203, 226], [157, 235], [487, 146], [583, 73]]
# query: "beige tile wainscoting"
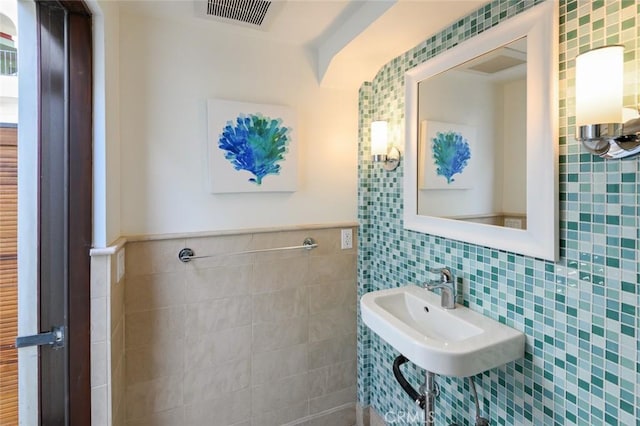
[[256, 339], [107, 338]]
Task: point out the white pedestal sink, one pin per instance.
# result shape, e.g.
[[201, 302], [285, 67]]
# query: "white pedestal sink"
[[450, 342]]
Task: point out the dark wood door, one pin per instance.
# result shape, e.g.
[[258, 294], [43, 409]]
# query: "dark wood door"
[[65, 140]]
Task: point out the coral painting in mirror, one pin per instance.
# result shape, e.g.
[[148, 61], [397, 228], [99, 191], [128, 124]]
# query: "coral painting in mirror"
[[251, 147], [446, 155]]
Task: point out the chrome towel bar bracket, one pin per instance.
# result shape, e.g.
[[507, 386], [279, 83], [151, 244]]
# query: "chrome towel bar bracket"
[[187, 255]]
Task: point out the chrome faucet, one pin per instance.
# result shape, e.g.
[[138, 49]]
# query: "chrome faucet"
[[447, 287]]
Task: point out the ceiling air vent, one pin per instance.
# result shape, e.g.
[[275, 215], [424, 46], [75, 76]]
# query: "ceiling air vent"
[[497, 64], [250, 13]]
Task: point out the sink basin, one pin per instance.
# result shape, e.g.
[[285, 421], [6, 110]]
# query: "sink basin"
[[450, 342]]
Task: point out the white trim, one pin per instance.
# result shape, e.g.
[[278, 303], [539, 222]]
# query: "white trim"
[[540, 239], [109, 250], [154, 237], [120, 242]]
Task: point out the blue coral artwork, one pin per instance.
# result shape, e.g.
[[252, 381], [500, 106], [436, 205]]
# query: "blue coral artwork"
[[450, 154], [252, 147], [256, 144], [447, 155]]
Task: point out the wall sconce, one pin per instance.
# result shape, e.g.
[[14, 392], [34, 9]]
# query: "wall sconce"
[[604, 127], [380, 152]]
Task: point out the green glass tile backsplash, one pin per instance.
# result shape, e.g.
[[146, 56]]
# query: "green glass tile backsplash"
[[581, 314]]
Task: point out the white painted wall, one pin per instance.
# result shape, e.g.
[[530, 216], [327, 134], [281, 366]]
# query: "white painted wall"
[[515, 147], [168, 69], [106, 122]]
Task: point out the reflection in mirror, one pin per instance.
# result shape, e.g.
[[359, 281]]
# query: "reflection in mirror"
[[472, 130]]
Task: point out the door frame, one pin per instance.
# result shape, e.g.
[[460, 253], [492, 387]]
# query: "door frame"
[[69, 201]]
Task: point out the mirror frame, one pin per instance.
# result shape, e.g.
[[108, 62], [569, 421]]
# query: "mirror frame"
[[541, 239]]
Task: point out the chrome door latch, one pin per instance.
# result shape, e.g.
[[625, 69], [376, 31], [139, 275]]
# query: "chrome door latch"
[[55, 338]]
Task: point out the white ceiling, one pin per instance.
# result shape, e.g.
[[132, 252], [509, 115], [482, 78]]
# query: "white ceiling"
[[349, 39]]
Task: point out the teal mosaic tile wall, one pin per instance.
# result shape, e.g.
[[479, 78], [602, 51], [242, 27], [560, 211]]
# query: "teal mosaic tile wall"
[[581, 315]]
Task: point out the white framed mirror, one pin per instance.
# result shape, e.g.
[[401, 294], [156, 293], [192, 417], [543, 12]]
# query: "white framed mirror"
[[481, 157]]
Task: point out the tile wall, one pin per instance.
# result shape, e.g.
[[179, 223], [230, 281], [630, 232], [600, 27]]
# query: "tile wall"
[[107, 339], [257, 339], [580, 314]]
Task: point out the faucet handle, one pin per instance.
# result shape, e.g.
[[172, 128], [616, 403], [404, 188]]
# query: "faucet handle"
[[445, 274]]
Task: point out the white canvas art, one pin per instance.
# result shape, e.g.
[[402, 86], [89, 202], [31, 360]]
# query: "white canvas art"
[[446, 155], [252, 147]]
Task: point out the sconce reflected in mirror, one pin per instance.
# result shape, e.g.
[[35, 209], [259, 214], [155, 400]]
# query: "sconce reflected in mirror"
[[605, 128], [380, 151]]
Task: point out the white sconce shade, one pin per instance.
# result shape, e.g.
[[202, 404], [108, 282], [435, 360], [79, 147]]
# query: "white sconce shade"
[[599, 85], [380, 152], [379, 138], [603, 126]]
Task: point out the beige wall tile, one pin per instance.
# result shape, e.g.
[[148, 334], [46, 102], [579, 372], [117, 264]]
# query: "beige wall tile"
[[144, 363], [99, 359], [99, 277], [332, 400], [146, 292], [99, 406], [99, 319], [332, 351], [279, 394], [375, 419], [153, 257], [118, 392], [267, 367], [101, 380], [329, 241], [118, 416], [147, 398], [293, 256], [332, 268], [226, 340], [279, 274], [117, 303], [331, 323], [117, 345], [222, 250], [218, 283], [362, 415], [343, 417], [173, 417], [280, 305], [282, 416], [154, 327], [208, 350], [323, 297], [220, 314], [216, 381], [269, 240], [325, 380], [230, 409], [271, 336]]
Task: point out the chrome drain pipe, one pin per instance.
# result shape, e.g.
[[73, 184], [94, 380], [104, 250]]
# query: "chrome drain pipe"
[[430, 394]]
